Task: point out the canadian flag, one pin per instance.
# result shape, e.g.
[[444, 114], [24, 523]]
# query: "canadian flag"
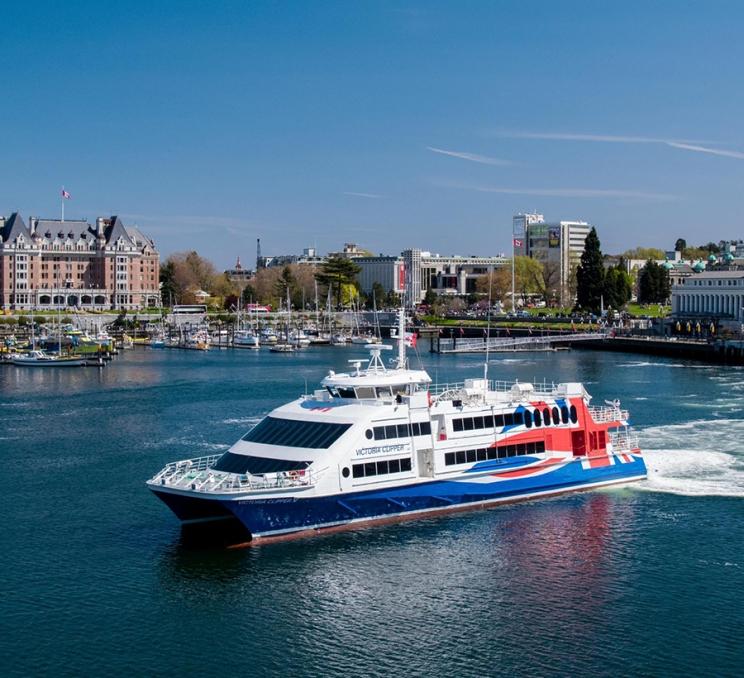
[[66, 195], [411, 338]]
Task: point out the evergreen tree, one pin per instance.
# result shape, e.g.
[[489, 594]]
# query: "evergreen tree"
[[335, 273], [653, 284], [168, 286], [618, 287], [590, 274]]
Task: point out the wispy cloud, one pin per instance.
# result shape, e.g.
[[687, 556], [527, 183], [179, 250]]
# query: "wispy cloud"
[[564, 192], [705, 149], [681, 144], [355, 194], [473, 157]]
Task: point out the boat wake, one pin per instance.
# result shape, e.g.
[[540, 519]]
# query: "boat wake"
[[697, 458]]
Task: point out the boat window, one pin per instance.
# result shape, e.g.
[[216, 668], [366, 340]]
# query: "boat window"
[[556, 416], [478, 422], [574, 414], [457, 425], [345, 472], [518, 418], [564, 414], [381, 468], [546, 416], [332, 391], [296, 433], [403, 430], [498, 420], [528, 418], [468, 423], [384, 392], [492, 453], [509, 419], [365, 392], [425, 428], [379, 433], [243, 463], [345, 392], [391, 432], [369, 434]]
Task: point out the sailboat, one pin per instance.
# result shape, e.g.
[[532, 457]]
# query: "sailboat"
[[38, 358], [285, 346], [245, 338]]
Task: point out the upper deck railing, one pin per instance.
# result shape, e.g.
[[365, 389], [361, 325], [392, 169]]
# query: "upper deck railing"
[[606, 415], [540, 389], [198, 475]]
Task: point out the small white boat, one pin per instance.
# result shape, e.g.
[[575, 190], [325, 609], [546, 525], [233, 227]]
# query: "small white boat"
[[282, 348], [40, 359], [339, 340], [246, 339]]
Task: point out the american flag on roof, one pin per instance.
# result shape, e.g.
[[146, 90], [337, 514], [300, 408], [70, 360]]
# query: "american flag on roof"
[[66, 195]]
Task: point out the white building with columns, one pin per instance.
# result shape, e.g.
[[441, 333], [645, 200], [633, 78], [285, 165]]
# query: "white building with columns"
[[712, 294]]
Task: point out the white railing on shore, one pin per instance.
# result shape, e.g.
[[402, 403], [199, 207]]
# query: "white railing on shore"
[[469, 344], [624, 440], [197, 474], [606, 415]]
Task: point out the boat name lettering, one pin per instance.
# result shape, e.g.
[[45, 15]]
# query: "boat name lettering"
[[381, 449]]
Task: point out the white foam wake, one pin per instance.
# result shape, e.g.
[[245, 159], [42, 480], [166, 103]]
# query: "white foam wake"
[[697, 458]]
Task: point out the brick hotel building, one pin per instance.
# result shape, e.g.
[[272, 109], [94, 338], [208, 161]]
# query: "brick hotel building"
[[73, 264]]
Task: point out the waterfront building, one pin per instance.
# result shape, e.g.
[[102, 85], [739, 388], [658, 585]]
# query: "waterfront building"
[[102, 266], [238, 274], [557, 244], [716, 295], [309, 257], [414, 272]]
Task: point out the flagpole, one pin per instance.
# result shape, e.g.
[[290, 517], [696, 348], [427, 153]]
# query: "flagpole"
[[62, 198], [513, 290]]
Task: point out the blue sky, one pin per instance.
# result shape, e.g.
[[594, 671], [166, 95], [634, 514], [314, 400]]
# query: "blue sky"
[[387, 123]]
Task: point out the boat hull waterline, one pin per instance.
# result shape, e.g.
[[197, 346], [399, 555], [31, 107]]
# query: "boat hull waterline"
[[280, 515]]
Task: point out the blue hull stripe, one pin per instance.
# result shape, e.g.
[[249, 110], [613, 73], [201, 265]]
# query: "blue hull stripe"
[[263, 517]]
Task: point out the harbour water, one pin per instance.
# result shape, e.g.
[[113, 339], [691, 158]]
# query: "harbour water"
[[98, 579]]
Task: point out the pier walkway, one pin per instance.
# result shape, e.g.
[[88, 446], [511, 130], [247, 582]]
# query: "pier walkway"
[[499, 344]]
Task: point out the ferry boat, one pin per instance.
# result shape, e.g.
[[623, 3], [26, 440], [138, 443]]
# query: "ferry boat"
[[379, 444]]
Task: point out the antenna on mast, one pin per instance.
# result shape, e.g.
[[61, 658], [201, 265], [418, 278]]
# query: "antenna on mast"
[[488, 333], [258, 253]]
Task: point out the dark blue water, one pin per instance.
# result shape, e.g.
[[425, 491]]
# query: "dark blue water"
[[97, 579]]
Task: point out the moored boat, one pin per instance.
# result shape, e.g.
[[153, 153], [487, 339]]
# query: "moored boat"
[[38, 358], [381, 443]]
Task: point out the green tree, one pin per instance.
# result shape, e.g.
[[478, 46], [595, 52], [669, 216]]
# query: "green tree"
[[618, 287], [168, 286], [430, 297], [335, 273], [378, 295], [644, 253], [285, 284], [653, 284], [590, 274], [680, 245]]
